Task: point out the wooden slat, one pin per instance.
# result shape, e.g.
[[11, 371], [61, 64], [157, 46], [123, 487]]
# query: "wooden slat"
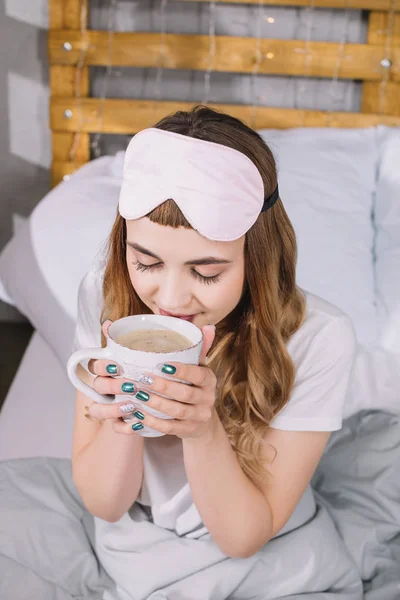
[[355, 4], [377, 28], [371, 98], [62, 147], [383, 97], [63, 81], [66, 80], [233, 54], [130, 116], [66, 14], [61, 170]]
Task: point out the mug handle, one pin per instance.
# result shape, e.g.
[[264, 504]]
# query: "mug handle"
[[87, 354]]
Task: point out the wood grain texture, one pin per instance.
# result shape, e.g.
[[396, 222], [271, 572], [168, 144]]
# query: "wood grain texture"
[[129, 116], [354, 4], [66, 14], [383, 97], [232, 54], [67, 80]]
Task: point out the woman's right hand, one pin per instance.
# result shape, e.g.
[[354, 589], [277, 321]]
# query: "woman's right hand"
[[104, 382]]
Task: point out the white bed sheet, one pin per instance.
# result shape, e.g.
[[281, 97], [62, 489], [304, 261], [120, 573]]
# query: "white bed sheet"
[[37, 415]]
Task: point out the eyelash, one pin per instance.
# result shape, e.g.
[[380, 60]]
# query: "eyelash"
[[207, 280]]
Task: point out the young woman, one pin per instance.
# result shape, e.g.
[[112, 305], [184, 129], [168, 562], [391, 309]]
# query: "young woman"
[[202, 234]]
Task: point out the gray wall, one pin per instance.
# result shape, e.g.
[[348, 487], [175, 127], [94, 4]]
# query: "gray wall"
[[24, 132]]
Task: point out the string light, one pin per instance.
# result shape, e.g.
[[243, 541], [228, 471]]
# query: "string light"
[[386, 62], [257, 64], [211, 53], [307, 16], [161, 55], [336, 70], [112, 11], [78, 84]]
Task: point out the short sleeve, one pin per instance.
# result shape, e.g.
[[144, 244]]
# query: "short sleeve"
[[90, 301], [323, 373]]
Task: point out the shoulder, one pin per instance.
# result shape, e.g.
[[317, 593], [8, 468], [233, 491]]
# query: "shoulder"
[[91, 286], [325, 334], [323, 351], [90, 304]]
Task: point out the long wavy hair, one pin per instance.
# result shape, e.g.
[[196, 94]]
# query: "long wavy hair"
[[249, 356]]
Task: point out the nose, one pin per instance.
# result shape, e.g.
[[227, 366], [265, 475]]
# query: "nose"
[[174, 293]]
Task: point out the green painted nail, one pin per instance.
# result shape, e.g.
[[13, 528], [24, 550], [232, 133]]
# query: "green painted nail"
[[111, 369], [137, 426], [169, 369], [128, 388], [138, 414], [143, 396]]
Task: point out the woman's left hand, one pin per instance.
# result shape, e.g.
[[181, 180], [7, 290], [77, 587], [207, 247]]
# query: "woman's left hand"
[[192, 408]]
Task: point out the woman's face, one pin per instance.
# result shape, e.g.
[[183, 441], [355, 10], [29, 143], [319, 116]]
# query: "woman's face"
[[179, 272]]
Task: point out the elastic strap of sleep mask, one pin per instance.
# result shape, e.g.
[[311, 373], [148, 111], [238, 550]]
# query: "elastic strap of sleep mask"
[[268, 202]]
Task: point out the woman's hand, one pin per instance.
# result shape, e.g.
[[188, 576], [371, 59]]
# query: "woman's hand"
[[192, 408]]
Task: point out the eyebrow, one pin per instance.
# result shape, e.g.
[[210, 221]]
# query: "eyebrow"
[[208, 260]]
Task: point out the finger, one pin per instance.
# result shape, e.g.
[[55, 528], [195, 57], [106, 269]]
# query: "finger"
[[166, 426], [99, 367], [105, 326], [104, 368], [115, 410], [208, 338], [187, 394], [115, 386], [177, 410], [124, 428], [197, 375]]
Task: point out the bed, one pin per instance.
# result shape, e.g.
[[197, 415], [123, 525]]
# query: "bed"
[[340, 183]]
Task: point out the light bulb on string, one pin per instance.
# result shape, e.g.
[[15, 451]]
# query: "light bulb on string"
[[78, 85], [333, 88], [307, 17], [112, 11], [386, 61], [257, 64], [211, 53], [160, 58]]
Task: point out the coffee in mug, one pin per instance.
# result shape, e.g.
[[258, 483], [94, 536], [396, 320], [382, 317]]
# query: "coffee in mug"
[[141, 344], [154, 340]]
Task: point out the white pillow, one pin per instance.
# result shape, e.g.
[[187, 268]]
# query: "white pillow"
[[4, 295], [71, 223], [327, 182], [387, 221], [42, 265]]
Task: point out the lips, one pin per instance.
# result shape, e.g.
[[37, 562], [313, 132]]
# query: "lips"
[[183, 317]]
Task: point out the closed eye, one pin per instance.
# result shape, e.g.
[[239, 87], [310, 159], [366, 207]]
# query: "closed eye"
[[208, 280]]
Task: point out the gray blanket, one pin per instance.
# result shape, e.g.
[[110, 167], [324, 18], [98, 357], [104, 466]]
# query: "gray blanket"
[[350, 550]]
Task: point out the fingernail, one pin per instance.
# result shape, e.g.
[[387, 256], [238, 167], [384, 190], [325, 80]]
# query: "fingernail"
[[111, 369], [169, 369], [127, 408], [143, 396], [137, 427], [144, 379], [129, 388], [87, 408], [138, 414]]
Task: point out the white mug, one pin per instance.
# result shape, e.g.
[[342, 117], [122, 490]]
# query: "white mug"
[[134, 363]]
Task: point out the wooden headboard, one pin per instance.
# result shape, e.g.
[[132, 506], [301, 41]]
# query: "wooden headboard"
[[73, 48]]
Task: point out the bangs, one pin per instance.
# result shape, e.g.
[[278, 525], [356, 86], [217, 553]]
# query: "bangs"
[[169, 213]]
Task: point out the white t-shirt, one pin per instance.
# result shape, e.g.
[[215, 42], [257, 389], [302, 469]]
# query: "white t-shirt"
[[322, 349]]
